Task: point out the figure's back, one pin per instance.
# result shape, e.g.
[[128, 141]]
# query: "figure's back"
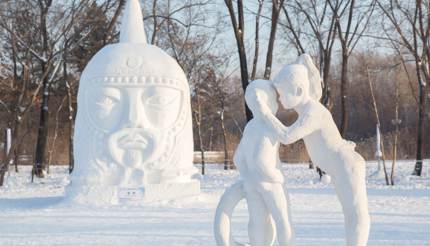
[[257, 149], [323, 143]]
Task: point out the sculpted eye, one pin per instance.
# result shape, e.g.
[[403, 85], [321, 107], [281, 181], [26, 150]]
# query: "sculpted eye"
[[160, 101], [106, 103]]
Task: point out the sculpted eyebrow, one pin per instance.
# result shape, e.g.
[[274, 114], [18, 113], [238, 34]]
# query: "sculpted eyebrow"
[[112, 92]]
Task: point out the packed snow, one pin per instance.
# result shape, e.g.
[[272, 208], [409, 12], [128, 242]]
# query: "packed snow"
[[299, 87], [133, 126], [35, 214]]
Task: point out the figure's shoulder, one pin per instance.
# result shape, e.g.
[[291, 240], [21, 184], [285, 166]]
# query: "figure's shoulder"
[[249, 125], [252, 127], [318, 109], [315, 113]]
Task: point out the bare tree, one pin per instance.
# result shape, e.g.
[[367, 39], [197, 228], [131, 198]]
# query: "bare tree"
[[197, 115], [351, 20], [41, 61], [409, 26], [49, 54], [378, 121], [181, 29], [111, 27], [238, 24], [276, 9], [256, 39], [316, 21]]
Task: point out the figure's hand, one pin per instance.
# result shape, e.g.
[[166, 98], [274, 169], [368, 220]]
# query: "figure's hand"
[[272, 175], [279, 177], [261, 105]]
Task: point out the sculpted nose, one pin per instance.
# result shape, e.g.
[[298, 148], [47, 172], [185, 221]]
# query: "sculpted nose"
[[135, 112]]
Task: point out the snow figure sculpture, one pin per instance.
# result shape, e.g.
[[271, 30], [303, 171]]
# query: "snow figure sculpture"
[[133, 125], [299, 88], [257, 158]]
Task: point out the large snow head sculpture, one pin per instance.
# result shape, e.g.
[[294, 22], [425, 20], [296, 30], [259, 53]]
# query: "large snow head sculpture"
[[298, 82], [133, 124]]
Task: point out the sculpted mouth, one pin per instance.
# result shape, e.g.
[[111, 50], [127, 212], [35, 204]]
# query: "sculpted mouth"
[[133, 141], [134, 147]]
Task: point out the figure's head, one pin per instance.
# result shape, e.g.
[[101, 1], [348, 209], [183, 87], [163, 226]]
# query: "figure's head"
[[292, 84], [298, 82], [134, 104], [261, 92]]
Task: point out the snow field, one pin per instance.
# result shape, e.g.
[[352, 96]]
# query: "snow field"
[[34, 214]]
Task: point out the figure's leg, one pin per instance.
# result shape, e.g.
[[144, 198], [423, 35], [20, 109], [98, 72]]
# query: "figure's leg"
[[222, 224], [276, 201], [260, 227], [350, 184]]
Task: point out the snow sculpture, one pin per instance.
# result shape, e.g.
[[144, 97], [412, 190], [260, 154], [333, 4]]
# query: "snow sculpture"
[[299, 88], [257, 158], [133, 127]]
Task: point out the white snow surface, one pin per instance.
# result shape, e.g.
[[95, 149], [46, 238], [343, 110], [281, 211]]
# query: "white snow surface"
[[34, 213]]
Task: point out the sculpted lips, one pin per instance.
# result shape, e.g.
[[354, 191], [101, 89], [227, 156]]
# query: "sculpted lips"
[[133, 141]]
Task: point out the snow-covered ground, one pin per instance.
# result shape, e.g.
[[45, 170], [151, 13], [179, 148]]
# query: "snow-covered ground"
[[33, 214]]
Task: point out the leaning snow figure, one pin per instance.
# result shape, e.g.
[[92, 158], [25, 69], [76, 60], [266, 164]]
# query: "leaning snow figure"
[[133, 134], [299, 88], [257, 158]]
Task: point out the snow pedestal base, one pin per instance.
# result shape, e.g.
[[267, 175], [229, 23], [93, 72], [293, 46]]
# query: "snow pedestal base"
[[97, 195], [159, 192]]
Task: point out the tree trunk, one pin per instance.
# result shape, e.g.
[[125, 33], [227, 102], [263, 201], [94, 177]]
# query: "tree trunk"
[[42, 133], [420, 133], [256, 40], [155, 24], [197, 119], [375, 109], [239, 29], [396, 121], [244, 78], [202, 151], [70, 110], [224, 136], [344, 95], [276, 8], [326, 90], [108, 34], [71, 129]]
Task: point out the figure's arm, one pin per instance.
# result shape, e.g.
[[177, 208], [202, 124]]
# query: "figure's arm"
[[271, 174], [269, 118], [287, 135], [239, 160], [300, 129]]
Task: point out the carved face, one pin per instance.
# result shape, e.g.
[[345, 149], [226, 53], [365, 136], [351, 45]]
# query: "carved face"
[[133, 123], [138, 117], [292, 86]]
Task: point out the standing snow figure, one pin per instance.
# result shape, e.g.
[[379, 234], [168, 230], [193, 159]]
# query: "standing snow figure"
[[299, 88], [133, 125], [257, 158]]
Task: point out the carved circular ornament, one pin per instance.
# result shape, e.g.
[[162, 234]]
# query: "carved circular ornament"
[[133, 62]]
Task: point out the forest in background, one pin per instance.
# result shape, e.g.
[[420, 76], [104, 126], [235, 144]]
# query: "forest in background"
[[373, 56]]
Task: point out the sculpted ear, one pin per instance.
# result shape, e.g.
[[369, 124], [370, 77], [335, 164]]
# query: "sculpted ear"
[[315, 81]]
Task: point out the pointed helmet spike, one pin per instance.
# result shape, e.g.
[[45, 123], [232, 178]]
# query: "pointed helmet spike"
[[132, 30]]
